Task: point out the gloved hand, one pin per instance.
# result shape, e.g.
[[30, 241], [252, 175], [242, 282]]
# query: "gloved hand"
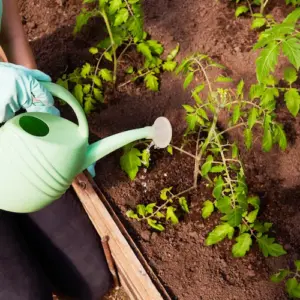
[[20, 88]]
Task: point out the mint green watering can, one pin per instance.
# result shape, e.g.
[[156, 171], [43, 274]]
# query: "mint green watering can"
[[41, 154]]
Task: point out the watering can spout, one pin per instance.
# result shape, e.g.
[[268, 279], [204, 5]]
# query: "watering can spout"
[[160, 132]]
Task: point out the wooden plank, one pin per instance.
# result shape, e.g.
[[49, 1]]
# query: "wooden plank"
[[133, 276]]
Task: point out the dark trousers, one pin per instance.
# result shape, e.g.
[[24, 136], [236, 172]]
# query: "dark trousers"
[[54, 249]]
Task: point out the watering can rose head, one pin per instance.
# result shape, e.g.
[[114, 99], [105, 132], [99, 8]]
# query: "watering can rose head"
[[41, 153]]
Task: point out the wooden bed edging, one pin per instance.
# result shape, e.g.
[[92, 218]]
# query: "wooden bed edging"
[[132, 274]]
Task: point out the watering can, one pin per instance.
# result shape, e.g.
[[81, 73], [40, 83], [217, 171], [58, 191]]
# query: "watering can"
[[41, 154]]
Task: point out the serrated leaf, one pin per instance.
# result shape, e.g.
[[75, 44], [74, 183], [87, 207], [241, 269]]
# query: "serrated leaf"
[[188, 108], [121, 17], [169, 66], [153, 223], [292, 99], [240, 88], [235, 151], [89, 102], [184, 205], [86, 88], [98, 95], [258, 23], [252, 117], [81, 20], [254, 201], [130, 162], [224, 205], [108, 56], [269, 248], [251, 217], [170, 215], [149, 208], [173, 53], [207, 210], [248, 138], [78, 93], [282, 141], [290, 75], [96, 80], [189, 78], [145, 50], [63, 83], [217, 191], [106, 75], [234, 217], [267, 61], [131, 214], [114, 6], [236, 114], [207, 165], [151, 82], [164, 193], [219, 234], [242, 246], [86, 69], [291, 48], [256, 91], [155, 47], [241, 10], [141, 210], [267, 142]]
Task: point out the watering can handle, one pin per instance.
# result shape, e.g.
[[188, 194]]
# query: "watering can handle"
[[63, 94]]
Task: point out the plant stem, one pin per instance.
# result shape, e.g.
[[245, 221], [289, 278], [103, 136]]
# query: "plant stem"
[[113, 44], [134, 79], [183, 151], [263, 5], [250, 7], [125, 49]]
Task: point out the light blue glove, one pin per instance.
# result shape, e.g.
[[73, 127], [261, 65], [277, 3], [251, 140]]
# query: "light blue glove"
[[20, 88]]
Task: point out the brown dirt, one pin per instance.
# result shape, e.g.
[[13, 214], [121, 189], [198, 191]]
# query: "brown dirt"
[[188, 269]]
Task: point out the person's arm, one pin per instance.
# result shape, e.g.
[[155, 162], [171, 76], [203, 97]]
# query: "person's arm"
[[12, 37]]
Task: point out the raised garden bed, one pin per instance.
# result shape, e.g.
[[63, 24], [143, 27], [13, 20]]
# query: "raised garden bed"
[[188, 268]]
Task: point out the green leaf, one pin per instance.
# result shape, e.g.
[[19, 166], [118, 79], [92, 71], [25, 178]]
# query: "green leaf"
[[242, 246], [146, 157], [207, 165], [171, 215], [268, 247], [183, 204], [96, 80], [292, 99], [131, 214], [236, 114], [267, 61], [293, 288], [170, 149], [155, 47], [121, 17], [98, 95], [224, 205], [145, 50], [251, 217], [169, 66], [189, 78], [258, 22], [256, 91], [201, 112], [153, 223], [217, 169], [297, 264], [207, 210], [188, 108], [234, 217], [86, 88], [291, 48], [290, 75], [248, 138], [93, 50], [86, 69], [151, 82], [130, 70], [81, 20], [219, 234], [252, 117], [223, 79], [108, 56], [164, 193], [217, 191], [267, 142], [149, 208], [159, 215], [88, 104], [141, 210], [78, 93], [282, 141], [114, 6], [240, 87], [235, 151], [106, 75], [241, 10], [173, 53], [63, 83], [130, 162], [102, 3], [254, 201]]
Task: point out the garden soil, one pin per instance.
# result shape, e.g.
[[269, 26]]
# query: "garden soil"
[[187, 268]]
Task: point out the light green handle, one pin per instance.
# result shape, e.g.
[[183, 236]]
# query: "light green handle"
[[63, 94]]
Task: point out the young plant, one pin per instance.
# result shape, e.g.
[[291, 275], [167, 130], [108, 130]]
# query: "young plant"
[[248, 7], [124, 30], [278, 38], [216, 159], [290, 277]]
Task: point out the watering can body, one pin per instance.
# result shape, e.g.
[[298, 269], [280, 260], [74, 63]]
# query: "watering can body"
[[41, 154]]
